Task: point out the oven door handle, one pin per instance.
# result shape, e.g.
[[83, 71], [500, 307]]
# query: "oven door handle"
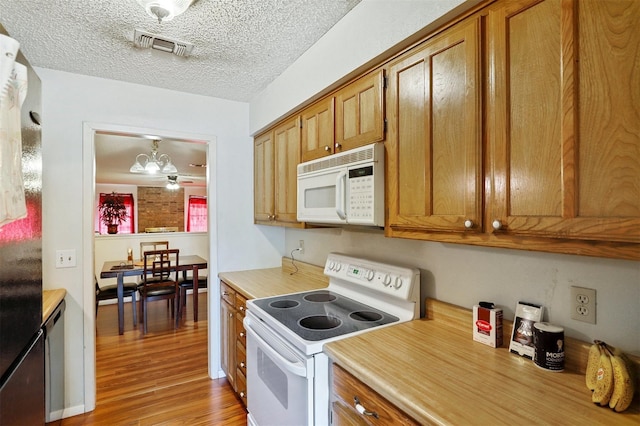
[[297, 368]]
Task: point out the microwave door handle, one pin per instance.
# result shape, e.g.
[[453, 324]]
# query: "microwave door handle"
[[341, 184]]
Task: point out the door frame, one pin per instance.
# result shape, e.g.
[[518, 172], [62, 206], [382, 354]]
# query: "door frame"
[[88, 191]]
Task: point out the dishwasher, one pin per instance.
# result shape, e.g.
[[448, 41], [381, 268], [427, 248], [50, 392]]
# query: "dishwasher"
[[54, 364]]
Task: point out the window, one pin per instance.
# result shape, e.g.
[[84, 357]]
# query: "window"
[[197, 214], [127, 226]]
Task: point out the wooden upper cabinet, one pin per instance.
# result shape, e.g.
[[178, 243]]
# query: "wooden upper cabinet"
[[564, 121], [434, 140], [287, 157], [360, 112], [318, 129], [263, 178]]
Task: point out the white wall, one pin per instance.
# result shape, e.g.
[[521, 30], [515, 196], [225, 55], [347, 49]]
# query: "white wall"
[[369, 29], [464, 275], [69, 100]]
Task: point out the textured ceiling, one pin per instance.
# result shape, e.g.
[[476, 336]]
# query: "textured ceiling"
[[240, 46]]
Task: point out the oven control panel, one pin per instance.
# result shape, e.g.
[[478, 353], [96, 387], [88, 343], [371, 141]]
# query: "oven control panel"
[[381, 277]]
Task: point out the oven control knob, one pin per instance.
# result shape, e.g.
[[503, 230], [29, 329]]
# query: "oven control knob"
[[398, 282], [386, 280], [370, 275]]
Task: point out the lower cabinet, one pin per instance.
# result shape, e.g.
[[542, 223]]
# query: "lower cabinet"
[[233, 339], [354, 403]]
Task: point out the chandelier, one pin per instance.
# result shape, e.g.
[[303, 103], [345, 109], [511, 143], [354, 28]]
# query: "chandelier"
[[165, 10], [154, 163], [172, 184]]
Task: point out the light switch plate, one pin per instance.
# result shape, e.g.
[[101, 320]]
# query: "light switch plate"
[[66, 258], [583, 304]]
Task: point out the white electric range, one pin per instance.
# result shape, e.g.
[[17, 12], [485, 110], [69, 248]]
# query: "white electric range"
[[287, 372]]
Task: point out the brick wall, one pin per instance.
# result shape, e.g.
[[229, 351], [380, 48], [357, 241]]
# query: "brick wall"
[[160, 207]]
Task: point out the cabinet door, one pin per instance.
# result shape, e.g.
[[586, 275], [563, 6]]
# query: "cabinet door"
[[318, 130], [434, 138], [359, 112], [228, 341], [287, 157], [565, 111], [263, 178]]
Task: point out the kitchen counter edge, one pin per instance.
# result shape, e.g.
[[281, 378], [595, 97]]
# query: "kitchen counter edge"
[[50, 300]]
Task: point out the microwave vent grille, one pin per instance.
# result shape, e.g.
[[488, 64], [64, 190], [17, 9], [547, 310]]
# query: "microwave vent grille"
[[339, 160]]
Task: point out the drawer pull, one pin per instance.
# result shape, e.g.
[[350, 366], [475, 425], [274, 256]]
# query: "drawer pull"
[[360, 408]]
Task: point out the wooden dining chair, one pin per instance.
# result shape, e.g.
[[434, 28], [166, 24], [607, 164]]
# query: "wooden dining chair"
[[109, 292], [186, 283], [160, 280], [152, 245]]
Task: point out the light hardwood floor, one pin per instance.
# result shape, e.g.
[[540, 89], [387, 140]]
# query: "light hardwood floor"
[[160, 378]]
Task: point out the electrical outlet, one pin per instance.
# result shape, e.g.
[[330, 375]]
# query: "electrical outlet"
[[301, 247], [583, 304], [66, 258]]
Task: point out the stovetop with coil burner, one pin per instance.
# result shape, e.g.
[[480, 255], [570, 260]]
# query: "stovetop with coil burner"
[[322, 314]]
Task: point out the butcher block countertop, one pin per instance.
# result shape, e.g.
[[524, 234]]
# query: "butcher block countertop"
[[50, 300], [274, 281], [433, 370]]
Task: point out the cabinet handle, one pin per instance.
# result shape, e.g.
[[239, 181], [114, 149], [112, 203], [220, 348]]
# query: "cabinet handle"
[[497, 225], [338, 146], [468, 224], [360, 408], [327, 148]]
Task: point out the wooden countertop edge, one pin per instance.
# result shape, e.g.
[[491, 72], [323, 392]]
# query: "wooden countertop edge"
[[50, 300], [445, 373]]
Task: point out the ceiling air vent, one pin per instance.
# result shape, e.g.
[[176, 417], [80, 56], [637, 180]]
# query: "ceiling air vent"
[[147, 40]]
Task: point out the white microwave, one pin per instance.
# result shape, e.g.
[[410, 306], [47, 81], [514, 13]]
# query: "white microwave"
[[345, 188]]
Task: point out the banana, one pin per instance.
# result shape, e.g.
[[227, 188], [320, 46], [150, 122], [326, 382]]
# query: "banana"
[[592, 365], [623, 380], [604, 381]]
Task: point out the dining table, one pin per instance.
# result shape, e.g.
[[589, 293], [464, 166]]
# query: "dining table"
[[121, 268]]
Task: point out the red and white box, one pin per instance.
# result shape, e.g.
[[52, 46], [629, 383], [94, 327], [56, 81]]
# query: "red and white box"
[[487, 326]]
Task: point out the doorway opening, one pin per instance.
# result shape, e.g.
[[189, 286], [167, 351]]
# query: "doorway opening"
[[94, 134]]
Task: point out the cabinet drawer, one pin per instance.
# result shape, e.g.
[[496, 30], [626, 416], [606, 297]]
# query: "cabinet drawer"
[[241, 304], [241, 358], [241, 335], [347, 388], [227, 293], [241, 386]]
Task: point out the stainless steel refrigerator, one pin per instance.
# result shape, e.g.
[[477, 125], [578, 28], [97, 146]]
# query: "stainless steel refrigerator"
[[22, 391]]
